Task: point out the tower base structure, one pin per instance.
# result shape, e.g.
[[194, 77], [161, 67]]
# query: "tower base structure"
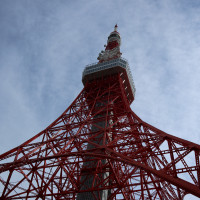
[[126, 159]]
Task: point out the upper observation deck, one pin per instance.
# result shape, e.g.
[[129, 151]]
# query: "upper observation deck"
[[118, 65]]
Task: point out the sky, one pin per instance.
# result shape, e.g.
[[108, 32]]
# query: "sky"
[[45, 45]]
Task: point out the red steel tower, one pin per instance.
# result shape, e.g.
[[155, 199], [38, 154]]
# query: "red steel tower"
[[100, 149]]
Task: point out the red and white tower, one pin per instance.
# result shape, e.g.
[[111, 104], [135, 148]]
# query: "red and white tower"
[[100, 149]]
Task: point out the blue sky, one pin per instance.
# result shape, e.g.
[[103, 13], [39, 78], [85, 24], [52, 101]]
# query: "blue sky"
[[45, 45]]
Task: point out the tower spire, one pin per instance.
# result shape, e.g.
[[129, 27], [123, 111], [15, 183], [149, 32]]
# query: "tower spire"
[[115, 29], [112, 49]]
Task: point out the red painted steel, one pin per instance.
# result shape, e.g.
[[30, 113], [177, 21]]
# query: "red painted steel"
[[141, 161]]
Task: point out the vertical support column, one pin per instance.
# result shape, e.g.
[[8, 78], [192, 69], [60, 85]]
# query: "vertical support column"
[[89, 174], [198, 166], [173, 165]]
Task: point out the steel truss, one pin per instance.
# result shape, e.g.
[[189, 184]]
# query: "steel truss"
[[139, 160]]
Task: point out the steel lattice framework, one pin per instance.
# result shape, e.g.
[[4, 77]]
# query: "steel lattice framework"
[[101, 148], [143, 162]]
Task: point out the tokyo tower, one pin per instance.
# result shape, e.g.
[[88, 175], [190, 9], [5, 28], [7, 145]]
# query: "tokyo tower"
[[99, 149]]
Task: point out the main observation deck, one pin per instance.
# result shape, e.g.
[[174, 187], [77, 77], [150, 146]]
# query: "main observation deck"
[[119, 65]]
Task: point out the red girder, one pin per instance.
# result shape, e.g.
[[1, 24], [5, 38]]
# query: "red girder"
[[100, 140]]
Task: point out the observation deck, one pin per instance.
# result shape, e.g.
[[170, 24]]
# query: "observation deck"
[[114, 66]]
